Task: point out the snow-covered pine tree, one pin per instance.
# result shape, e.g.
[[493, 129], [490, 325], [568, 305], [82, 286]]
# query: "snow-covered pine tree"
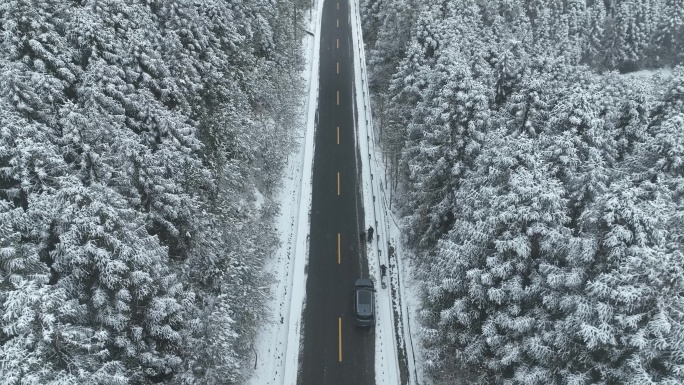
[[41, 318], [528, 108], [35, 71], [370, 19], [631, 122], [484, 314], [130, 303], [615, 33], [661, 158], [670, 46], [509, 69], [30, 308], [129, 83], [450, 121], [576, 140], [577, 18], [594, 44], [630, 318], [543, 32], [38, 64], [394, 32]]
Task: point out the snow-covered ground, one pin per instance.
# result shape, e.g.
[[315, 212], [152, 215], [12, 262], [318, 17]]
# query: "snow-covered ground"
[[663, 72], [277, 345]]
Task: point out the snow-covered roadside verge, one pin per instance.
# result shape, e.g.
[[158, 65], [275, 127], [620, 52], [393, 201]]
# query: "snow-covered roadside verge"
[[396, 327], [277, 344]]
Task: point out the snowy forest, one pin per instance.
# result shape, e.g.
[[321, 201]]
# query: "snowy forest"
[[538, 154], [141, 142]]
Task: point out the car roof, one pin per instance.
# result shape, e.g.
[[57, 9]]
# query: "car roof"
[[364, 304], [363, 282]]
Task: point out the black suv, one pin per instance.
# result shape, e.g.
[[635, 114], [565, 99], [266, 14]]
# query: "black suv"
[[364, 302]]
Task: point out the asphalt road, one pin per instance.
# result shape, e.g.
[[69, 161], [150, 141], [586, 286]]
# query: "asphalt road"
[[333, 350]]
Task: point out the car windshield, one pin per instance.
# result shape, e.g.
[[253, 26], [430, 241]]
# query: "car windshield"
[[364, 302]]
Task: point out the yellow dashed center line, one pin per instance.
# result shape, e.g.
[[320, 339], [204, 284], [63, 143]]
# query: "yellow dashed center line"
[[338, 135], [338, 183], [338, 98], [340, 336], [338, 68], [339, 252]]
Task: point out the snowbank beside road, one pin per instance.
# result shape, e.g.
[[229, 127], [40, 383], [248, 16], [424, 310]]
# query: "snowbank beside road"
[[277, 345]]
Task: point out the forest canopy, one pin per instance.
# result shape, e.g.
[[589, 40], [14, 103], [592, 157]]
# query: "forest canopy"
[[140, 144], [538, 149]]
